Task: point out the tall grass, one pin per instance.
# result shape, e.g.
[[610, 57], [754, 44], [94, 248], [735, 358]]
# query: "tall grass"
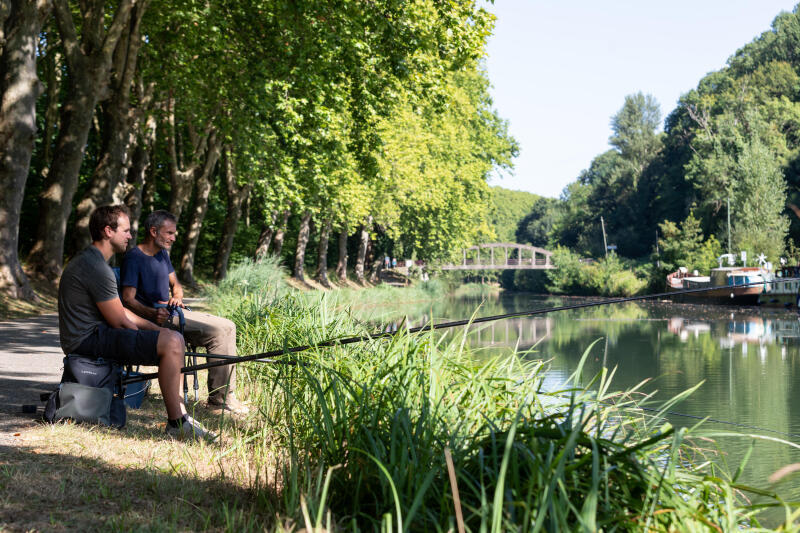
[[356, 438]]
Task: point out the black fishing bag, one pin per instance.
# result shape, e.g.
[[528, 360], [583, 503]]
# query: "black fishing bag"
[[91, 390]]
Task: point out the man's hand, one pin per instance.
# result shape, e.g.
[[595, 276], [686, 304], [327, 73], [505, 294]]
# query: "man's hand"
[[161, 315], [150, 313], [175, 302], [177, 291]]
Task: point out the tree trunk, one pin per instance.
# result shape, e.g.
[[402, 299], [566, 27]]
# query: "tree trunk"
[[182, 176], [281, 232], [341, 266], [19, 88], [149, 193], [322, 255], [118, 122], [203, 189], [52, 69], [302, 242], [236, 197], [362, 250], [264, 239], [140, 163], [88, 64]]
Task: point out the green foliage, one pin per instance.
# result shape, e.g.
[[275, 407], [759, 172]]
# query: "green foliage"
[[685, 246], [568, 277], [612, 187], [760, 191], [434, 164], [634, 131], [536, 226], [509, 208], [610, 276]]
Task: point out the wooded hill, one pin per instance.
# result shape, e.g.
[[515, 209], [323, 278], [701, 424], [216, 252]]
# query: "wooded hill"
[[265, 126], [732, 141]]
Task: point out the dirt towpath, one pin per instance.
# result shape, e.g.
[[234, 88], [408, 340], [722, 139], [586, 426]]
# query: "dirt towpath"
[[30, 363]]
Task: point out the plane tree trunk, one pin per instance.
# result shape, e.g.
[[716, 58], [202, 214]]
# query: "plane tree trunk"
[[341, 265], [20, 23], [236, 197], [363, 243], [52, 60], [183, 170], [281, 233], [322, 254], [88, 61], [202, 190], [137, 175], [265, 237], [302, 243], [107, 183]]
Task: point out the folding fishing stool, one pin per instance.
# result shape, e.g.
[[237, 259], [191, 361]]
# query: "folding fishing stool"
[[189, 360]]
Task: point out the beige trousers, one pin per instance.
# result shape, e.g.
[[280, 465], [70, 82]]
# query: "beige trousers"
[[217, 335]]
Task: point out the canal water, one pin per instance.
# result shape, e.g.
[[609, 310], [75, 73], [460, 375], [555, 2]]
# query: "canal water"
[[748, 360]]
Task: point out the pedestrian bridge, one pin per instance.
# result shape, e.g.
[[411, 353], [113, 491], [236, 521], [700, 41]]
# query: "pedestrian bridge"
[[502, 256]]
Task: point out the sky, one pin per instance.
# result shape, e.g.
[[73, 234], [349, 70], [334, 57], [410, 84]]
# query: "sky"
[[560, 69]]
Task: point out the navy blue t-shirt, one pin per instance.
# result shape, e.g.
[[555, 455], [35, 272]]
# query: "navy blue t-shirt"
[[148, 274]]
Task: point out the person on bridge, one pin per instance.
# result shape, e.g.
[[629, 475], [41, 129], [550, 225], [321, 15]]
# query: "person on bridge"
[[147, 278], [93, 323]]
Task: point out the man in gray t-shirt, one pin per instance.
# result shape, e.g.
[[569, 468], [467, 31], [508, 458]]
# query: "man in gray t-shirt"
[[86, 279], [93, 323]]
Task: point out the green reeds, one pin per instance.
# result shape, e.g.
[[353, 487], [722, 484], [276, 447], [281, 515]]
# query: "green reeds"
[[358, 435]]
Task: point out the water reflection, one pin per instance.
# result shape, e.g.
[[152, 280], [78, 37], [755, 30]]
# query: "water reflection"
[[748, 361], [739, 330]]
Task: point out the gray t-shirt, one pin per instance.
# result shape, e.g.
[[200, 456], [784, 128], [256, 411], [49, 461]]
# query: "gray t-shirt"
[[86, 280]]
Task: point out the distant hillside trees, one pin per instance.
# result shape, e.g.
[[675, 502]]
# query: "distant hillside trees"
[[730, 147], [508, 208]]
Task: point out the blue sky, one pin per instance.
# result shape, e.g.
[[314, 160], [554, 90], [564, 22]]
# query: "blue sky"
[[561, 69]]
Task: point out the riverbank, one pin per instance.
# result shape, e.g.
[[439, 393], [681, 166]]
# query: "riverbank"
[[372, 435]]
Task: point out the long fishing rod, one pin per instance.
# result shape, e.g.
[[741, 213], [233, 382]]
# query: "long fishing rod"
[[269, 357], [718, 421]]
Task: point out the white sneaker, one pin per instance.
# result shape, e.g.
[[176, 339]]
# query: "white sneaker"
[[190, 429]]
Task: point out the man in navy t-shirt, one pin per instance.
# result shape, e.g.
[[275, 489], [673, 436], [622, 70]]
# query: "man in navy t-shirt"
[[147, 277], [150, 276]]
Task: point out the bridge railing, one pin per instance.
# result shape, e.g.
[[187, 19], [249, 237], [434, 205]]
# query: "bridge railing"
[[500, 256]]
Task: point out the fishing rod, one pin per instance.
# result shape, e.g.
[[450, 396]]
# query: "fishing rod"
[[718, 421], [269, 357]]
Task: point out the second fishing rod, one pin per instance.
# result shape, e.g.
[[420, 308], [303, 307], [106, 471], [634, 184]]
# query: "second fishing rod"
[[272, 356]]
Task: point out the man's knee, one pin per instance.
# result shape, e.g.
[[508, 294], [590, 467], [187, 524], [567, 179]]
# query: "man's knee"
[[221, 328], [170, 342]]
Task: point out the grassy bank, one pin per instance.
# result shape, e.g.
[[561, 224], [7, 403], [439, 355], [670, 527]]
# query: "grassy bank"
[[412, 433], [416, 433]]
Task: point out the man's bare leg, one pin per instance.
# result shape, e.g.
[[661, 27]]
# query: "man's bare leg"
[[171, 350]]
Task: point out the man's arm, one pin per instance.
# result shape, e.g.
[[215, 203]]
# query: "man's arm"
[[176, 289], [150, 313], [141, 323], [119, 317]]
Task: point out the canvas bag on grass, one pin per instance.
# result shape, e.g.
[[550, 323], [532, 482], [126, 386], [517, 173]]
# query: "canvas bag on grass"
[[91, 390]]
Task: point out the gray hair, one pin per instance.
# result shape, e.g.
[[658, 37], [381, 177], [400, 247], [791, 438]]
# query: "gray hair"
[[156, 219]]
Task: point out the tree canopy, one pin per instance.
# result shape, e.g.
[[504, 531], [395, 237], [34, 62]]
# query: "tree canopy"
[[257, 123]]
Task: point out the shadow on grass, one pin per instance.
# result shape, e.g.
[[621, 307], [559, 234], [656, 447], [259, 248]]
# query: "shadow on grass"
[[62, 492], [84, 477]]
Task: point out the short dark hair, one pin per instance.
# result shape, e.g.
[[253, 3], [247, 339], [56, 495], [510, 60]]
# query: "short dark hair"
[[105, 215], [156, 219]]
